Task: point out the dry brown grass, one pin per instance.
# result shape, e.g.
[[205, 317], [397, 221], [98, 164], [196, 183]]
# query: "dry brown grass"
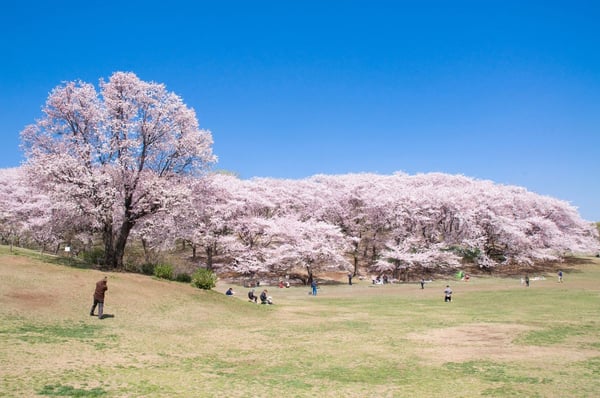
[[495, 342], [169, 339]]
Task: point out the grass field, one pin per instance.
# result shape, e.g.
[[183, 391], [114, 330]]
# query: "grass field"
[[167, 339]]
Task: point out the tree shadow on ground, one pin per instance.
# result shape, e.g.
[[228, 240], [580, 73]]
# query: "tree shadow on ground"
[[568, 264], [68, 262]]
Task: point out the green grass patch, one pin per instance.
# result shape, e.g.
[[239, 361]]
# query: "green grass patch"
[[557, 334], [53, 333], [496, 372], [69, 391]]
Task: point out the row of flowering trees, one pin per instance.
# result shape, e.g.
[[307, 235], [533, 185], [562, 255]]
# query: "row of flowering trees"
[[128, 161], [386, 223]]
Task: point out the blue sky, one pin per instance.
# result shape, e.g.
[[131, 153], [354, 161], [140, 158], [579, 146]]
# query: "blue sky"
[[502, 90]]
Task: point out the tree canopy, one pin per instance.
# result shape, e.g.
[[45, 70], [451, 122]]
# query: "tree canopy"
[[117, 154], [129, 159]]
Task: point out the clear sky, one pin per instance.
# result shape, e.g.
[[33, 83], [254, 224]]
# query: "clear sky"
[[502, 90]]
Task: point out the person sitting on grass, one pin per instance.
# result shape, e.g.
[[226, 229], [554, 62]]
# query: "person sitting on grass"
[[264, 299], [229, 292], [252, 297]]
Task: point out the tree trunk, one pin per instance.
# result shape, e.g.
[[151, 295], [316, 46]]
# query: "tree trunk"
[[146, 251], [355, 259], [209, 257], [310, 274], [107, 238], [121, 242], [115, 245]]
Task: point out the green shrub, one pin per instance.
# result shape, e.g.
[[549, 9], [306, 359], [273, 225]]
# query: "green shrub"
[[183, 277], [204, 279], [130, 267], [147, 269], [164, 271], [94, 256], [469, 254]]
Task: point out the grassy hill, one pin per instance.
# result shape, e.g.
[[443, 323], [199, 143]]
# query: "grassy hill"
[[167, 339]]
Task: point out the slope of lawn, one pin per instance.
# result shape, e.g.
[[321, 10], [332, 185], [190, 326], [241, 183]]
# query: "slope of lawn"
[[168, 339]]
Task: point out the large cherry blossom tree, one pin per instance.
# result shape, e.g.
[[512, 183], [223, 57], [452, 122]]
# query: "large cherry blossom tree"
[[117, 153]]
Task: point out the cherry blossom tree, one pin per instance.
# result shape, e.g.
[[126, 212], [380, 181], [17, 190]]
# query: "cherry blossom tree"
[[117, 153], [347, 208], [313, 245], [415, 253], [29, 213], [13, 194], [216, 218]]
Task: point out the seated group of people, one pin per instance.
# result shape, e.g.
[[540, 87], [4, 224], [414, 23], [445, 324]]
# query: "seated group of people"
[[380, 280], [264, 299]]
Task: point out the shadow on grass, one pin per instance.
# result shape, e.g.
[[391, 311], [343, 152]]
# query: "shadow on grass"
[[70, 261], [67, 262]]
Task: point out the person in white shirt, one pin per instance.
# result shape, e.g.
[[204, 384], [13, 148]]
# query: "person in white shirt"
[[448, 294]]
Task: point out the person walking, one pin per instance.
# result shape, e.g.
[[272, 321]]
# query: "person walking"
[[350, 278], [422, 283], [448, 294], [560, 277], [101, 288], [313, 284], [527, 280]]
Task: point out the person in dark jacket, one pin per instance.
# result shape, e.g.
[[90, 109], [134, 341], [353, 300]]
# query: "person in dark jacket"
[[101, 288], [252, 297], [264, 299]]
